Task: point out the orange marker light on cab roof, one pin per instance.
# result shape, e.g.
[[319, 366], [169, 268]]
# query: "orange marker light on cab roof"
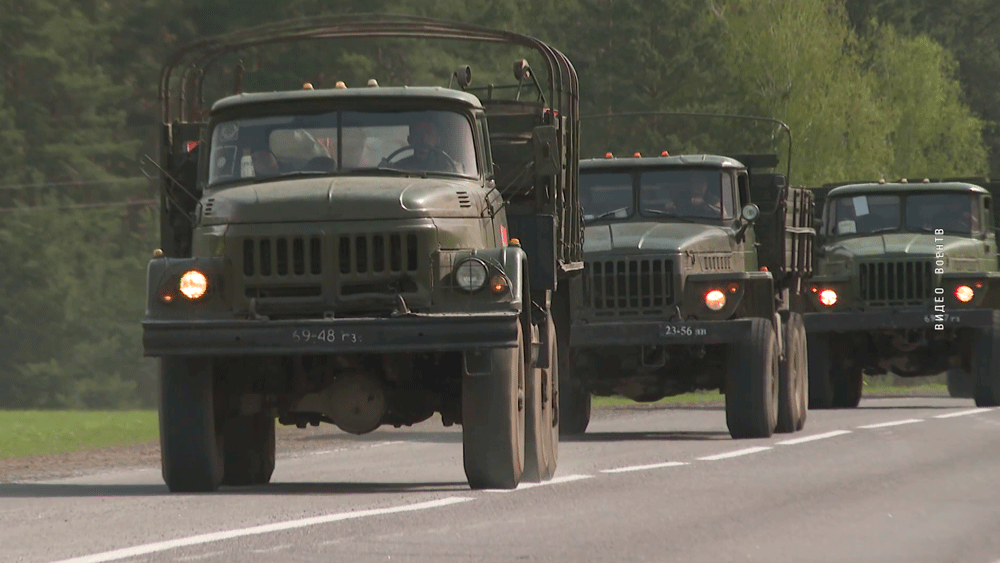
[[637, 155], [664, 153], [608, 155]]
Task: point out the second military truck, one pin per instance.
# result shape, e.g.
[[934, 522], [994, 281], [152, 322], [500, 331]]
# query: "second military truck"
[[906, 282], [694, 269]]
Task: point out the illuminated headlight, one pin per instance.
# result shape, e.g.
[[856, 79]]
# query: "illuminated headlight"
[[964, 293], [471, 275], [193, 284], [828, 297], [715, 300]]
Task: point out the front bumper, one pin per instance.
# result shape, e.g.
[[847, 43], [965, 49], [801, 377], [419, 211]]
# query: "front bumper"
[[658, 333], [411, 333], [866, 321]]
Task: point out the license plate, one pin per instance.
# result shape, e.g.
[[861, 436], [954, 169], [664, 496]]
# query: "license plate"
[[681, 330], [326, 336]]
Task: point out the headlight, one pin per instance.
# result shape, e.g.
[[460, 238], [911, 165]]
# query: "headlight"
[[964, 293], [715, 300], [193, 284], [470, 275], [828, 297]]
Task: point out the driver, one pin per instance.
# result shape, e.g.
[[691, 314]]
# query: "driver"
[[698, 201], [425, 140]]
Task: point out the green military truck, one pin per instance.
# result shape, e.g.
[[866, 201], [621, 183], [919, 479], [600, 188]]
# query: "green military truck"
[[906, 282], [679, 296], [363, 257]]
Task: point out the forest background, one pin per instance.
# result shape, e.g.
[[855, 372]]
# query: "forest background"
[[869, 88]]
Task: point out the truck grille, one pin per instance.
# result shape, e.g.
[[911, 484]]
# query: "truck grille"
[[346, 265], [628, 286], [896, 283]]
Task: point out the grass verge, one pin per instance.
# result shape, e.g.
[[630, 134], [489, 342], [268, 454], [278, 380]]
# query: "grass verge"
[[706, 397], [34, 433]]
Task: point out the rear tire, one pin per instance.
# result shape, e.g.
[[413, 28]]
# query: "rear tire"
[[793, 377], [493, 421], [191, 436], [541, 442], [986, 354], [820, 384], [250, 448], [752, 383]]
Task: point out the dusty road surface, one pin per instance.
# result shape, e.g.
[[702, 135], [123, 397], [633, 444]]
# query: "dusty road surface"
[[896, 480]]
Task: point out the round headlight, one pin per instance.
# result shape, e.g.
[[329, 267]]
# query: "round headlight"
[[715, 300], [964, 293], [193, 284], [470, 275], [828, 297]]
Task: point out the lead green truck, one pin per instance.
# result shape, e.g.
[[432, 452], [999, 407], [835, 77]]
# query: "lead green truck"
[[362, 256], [906, 283], [694, 278]]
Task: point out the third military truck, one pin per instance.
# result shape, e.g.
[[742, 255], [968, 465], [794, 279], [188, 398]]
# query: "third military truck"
[[362, 255], [906, 283], [694, 273]]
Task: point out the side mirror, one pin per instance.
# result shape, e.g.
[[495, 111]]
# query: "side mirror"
[[463, 76], [548, 160], [750, 212]]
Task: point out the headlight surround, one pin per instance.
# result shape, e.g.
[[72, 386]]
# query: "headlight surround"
[[193, 284], [471, 274]]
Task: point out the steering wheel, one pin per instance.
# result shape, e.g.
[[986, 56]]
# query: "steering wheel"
[[451, 161]]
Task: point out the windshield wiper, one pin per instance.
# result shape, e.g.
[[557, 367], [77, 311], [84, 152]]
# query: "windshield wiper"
[[608, 213], [669, 215]]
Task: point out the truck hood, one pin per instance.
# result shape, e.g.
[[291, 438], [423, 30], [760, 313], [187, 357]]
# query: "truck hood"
[[657, 237], [350, 198], [917, 245]]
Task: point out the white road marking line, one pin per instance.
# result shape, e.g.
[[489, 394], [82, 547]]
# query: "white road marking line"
[[961, 413], [737, 453], [272, 549], [814, 437], [642, 467], [200, 556], [157, 547], [893, 423], [553, 481]]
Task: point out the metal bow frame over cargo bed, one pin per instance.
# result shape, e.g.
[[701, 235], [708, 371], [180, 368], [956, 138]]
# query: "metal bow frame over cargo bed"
[[182, 82]]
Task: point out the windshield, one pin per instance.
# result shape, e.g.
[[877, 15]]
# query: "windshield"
[[867, 214], [950, 212], [682, 193], [606, 195], [435, 141]]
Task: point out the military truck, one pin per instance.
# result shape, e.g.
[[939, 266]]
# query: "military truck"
[[362, 256], [681, 295], [906, 282]]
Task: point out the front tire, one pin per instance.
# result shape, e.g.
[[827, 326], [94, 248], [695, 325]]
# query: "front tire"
[[493, 420], [250, 450], [191, 435], [752, 383], [986, 354], [820, 382]]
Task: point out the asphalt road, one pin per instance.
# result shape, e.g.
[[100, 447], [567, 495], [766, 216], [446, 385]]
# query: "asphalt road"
[[896, 480]]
